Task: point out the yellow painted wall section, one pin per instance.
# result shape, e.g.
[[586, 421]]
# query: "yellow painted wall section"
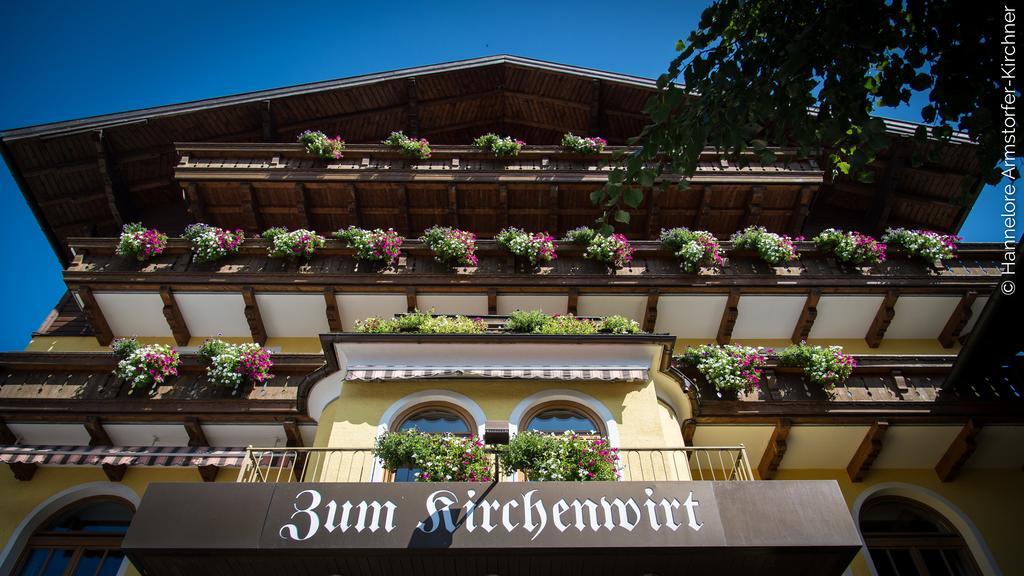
[[359, 409], [20, 498], [89, 344], [992, 499]]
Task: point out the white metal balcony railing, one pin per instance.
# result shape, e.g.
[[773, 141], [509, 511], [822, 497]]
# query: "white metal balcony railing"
[[359, 464]]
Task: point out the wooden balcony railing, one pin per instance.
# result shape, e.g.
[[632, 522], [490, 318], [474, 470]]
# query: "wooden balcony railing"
[[274, 465]]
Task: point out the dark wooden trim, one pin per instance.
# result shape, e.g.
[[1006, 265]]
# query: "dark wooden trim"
[[292, 433], [729, 315], [253, 316], [251, 208], [881, 203], [866, 453], [752, 212], [194, 202], [502, 206], [774, 451], [689, 428], [117, 195], [23, 471], [208, 472], [453, 205], [807, 316], [553, 207], [403, 210], [959, 451], [653, 213], [651, 311], [594, 111], [196, 435], [94, 314], [175, 320], [572, 304], [886, 312], [302, 205], [412, 110], [957, 320], [410, 299], [801, 211], [704, 209], [268, 121], [115, 472], [97, 434], [332, 310], [354, 213], [492, 301]]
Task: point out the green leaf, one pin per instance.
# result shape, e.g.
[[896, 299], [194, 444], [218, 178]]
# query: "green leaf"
[[758, 144], [647, 178], [622, 216], [606, 230], [633, 197], [597, 195]]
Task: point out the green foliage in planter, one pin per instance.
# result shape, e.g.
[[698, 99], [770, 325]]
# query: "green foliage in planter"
[[567, 457], [438, 457], [295, 244], [923, 244], [526, 321], [372, 245], [144, 366], [139, 242], [851, 247], [728, 368], [824, 366], [451, 246], [422, 323], [613, 250], [417, 148], [772, 248], [537, 322], [694, 248], [536, 248], [583, 144], [210, 243], [616, 324], [501, 147], [320, 145], [233, 364]]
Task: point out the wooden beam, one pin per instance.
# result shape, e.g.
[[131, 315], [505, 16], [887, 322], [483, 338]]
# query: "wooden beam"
[[94, 315], [354, 216], [404, 211], [959, 452], [251, 208], [208, 472], [651, 313], [574, 296], [268, 124], [412, 109], [196, 436], [117, 195], [253, 316], [552, 208], [175, 320], [801, 210], [410, 299], [292, 433], [594, 113], [886, 312], [332, 310], [869, 449], [194, 202], [502, 207], [492, 301], [729, 316], [115, 472], [689, 428], [302, 206], [653, 213], [881, 204], [97, 434], [6, 435], [453, 206], [704, 210], [775, 450], [806, 320], [957, 320], [752, 211], [23, 471]]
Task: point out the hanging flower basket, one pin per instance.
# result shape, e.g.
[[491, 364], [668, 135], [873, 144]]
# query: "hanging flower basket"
[[139, 242]]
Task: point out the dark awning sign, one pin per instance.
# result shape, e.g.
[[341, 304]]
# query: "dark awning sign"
[[507, 528]]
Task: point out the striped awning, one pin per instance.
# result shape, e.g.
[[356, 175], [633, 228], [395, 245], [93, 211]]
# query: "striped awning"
[[624, 373], [118, 455]]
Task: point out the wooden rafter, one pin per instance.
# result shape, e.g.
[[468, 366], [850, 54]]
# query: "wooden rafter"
[[882, 202], [801, 210], [268, 122], [594, 113], [552, 208], [704, 210], [453, 205], [410, 299], [774, 451], [806, 320], [752, 211], [253, 316], [251, 208], [572, 305], [651, 311], [94, 314], [208, 472], [23, 471], [866, 453], [412, 109], [492, 300], [886, 312], [729, 315], [502, 207], [957, 320], [689, 429], [959, 451], [196, 436], [302, 205], [292, 433], [354, 215], [332, 310], [194, 201], [115, 472], [118, 198], [653, 213], [97, 434], [404, 211], [174, 317]]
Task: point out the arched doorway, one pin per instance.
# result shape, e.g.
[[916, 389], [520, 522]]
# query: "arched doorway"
[[81, 538], [907, 538]]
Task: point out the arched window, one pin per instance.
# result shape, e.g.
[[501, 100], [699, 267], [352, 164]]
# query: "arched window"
[[907, 538], [435, 418], [560, 417], [83, 538]]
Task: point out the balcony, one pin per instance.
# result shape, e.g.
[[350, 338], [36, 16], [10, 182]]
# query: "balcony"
[[705, 463]]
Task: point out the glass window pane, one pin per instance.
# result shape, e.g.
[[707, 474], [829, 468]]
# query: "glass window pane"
[[58, 562], [886, 516], [904, 563], [559, 420], [436, 422], [104, 517], [88, 562], [111, 564], [883, 565], [934, 562], [406, 474], [34, 561]]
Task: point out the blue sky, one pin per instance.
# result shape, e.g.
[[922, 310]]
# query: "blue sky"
[[61, 60]]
